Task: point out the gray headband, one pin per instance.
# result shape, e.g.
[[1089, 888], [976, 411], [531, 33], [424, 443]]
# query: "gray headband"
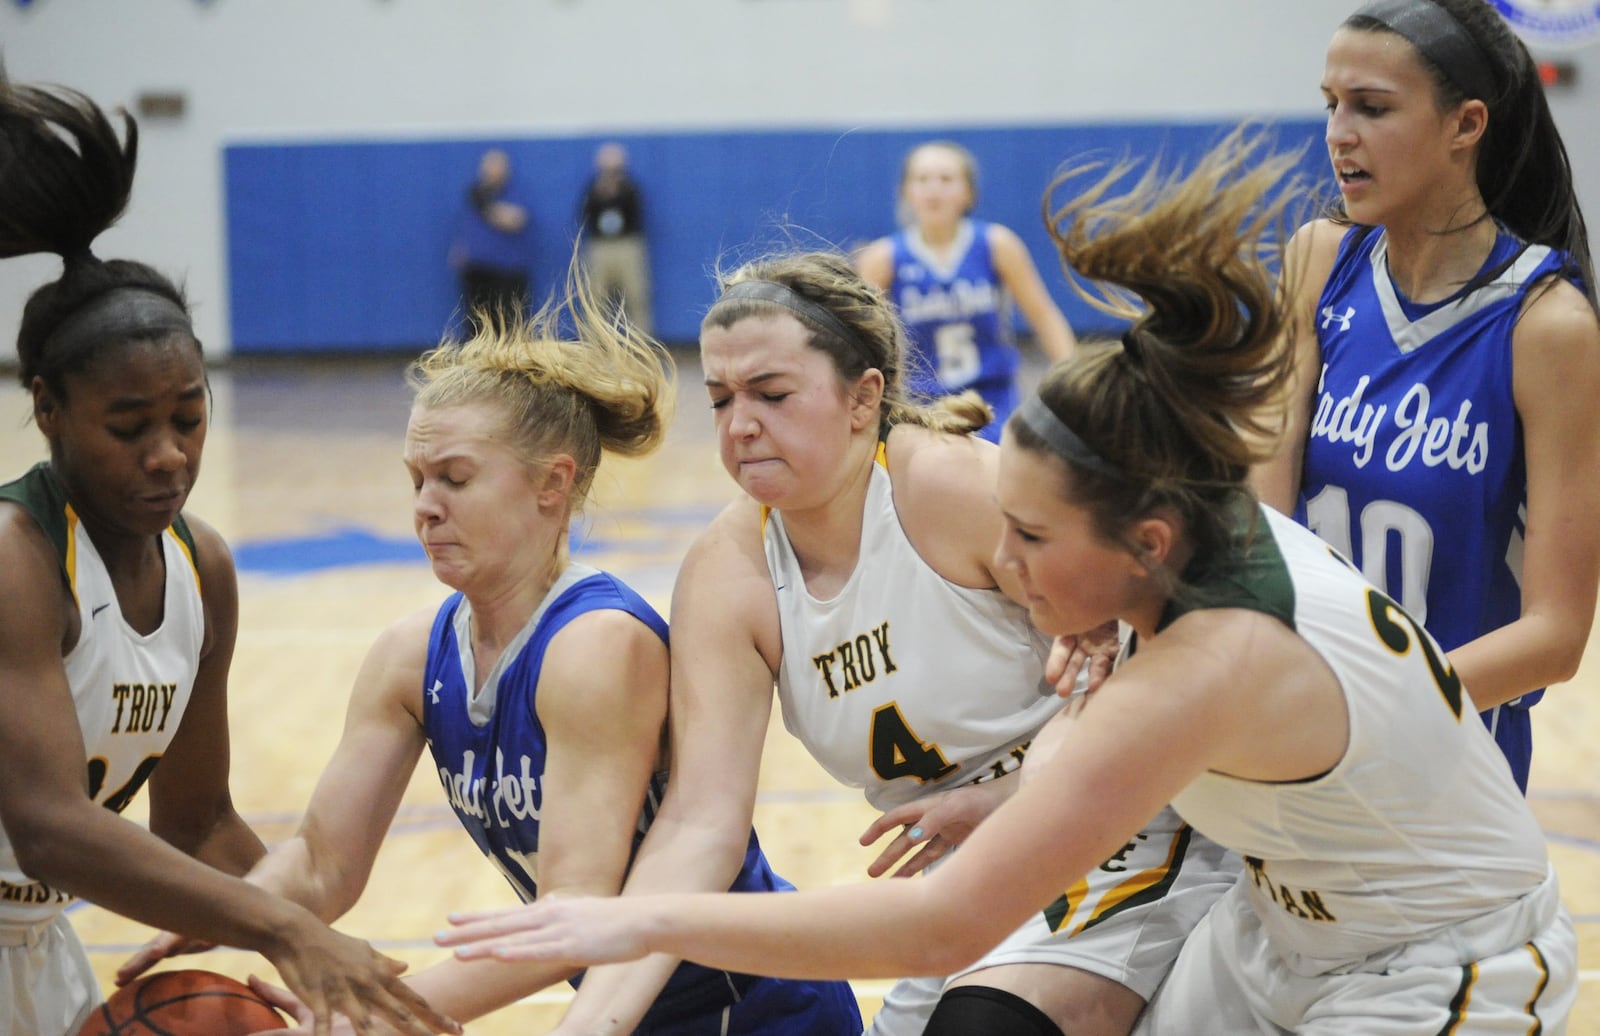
[[1438, 37], [794, 302], [1063, 441]]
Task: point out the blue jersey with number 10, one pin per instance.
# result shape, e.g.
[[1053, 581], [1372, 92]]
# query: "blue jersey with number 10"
[[1414, 468]]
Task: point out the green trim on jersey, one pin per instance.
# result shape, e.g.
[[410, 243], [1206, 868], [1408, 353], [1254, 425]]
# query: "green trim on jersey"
[[1251, 575], [40, 493]]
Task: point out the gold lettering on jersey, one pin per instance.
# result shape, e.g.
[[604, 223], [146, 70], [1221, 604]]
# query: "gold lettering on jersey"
[[1305, 904], [32, 892], [856, 661], [142, 707]]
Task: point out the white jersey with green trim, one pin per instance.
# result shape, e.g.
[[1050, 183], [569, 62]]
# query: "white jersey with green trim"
[[130, 690], [1418, 832], [904, 683]]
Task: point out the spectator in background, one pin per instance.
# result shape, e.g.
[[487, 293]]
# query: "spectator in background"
[[614, 253], [491, 251]]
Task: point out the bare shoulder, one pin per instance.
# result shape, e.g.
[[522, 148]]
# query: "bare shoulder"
[[734, 534], [1263, 697], [727, 562], [1311, 252], [393, 671], [933, 471], [602, 658], [607, 636], [1556, 318], [30, 572], [723, 595], [1002, 238], [875, 262], [944, 496]]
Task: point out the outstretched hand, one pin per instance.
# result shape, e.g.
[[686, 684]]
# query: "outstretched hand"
[[577, 931], [290, 1005], [1080, 663], [938, 823], [158, 949], [330, 973]]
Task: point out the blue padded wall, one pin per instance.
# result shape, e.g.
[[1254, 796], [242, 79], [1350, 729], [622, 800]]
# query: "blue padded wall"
[[342, 245]]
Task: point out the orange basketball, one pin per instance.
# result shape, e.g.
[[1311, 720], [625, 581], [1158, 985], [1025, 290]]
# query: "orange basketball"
[[183, 1003]]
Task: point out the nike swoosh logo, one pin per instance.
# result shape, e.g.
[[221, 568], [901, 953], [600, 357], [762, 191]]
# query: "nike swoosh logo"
[[99, 608]]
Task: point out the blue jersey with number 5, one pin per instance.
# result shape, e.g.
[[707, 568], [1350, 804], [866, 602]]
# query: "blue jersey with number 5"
[[956, 312]]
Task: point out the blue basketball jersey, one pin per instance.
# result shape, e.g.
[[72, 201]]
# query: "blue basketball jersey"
[[958, 316], [490, 754], [1414, 468]]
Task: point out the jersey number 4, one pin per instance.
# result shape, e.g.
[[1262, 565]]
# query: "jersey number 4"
[[118, 800], [898, 752]]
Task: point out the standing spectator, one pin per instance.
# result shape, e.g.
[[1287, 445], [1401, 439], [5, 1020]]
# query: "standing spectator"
[[613, 230], [491, 250]]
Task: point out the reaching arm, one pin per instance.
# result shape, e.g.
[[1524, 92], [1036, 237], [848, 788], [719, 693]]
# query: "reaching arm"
[[1307, 262], [67, 841], [325, 865], [1233, 691], [1021, 279], [1555, 378], [602, 701], [724, 653]]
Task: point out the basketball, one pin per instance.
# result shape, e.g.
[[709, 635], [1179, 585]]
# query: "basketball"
[[183, 1003]]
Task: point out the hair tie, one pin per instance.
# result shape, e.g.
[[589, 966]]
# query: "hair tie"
[[1132, 350], [78, 256]]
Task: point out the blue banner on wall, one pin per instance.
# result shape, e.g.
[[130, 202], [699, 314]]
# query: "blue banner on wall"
[[342, 245]]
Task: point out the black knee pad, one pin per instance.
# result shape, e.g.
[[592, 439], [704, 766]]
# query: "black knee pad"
[[982, 1011]]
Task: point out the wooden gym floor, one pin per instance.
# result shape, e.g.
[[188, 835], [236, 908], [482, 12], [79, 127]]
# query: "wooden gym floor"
[[302, 474]]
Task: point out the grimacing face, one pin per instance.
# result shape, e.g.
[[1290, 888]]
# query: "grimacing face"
[[475, 509], [783, 418]]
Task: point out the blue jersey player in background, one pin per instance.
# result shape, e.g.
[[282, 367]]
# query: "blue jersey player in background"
[[1444, 435], [954, 280], [540, 686]]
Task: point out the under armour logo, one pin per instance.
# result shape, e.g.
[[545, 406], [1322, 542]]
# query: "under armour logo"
[[433, 692], [1329, 316]]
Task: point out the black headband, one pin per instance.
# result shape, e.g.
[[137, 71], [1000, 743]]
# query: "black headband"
[[1438, 37], [122, 313], [1063, 441], [785, 296]]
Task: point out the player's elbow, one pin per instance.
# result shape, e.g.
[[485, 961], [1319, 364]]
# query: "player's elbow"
[[45, 844]]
